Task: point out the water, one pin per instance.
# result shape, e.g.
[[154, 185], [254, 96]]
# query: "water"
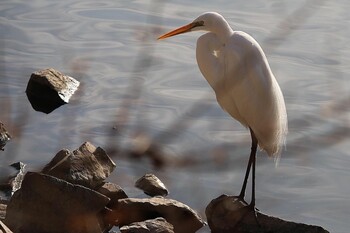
[[110, 45]]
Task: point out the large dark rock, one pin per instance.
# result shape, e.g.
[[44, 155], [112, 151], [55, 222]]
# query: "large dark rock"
[[151, 185], [158, 225], [4, 136], [182, 217], [49, 89], [88, 166], [226, 214], [46, 204]]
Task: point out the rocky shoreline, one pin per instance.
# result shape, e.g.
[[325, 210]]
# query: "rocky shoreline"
[[70, 194]]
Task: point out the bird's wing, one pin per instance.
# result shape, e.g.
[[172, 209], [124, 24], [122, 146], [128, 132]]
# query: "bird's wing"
[[256, 99]]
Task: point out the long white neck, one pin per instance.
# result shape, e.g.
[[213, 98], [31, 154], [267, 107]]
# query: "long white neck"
[[210, 63], [211, 47], [222, 30]]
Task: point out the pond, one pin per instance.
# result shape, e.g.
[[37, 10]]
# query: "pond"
[[134, 86]]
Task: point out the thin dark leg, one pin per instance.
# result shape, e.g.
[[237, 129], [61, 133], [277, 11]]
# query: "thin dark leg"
[[253, 156], [250, 162], [249, 208], [251, 165], [242, 193]]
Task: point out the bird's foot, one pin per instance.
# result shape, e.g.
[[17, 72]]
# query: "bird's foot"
[[251, 209], [247, 209]]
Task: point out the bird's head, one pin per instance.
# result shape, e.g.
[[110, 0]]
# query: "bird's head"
[[209, 21]]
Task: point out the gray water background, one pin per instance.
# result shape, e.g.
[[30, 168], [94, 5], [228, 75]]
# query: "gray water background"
[[110, 47]]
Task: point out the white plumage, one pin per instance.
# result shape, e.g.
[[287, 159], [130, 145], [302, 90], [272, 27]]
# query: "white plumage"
[[236, 67]]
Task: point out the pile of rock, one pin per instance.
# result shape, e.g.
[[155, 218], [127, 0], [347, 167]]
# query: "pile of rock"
[[70, 195]]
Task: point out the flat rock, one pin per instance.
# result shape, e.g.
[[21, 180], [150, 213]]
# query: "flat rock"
[[158, 225], [48, 89], [51, 205], [4, 136], [88, 166], [113, 191], [182, 217], [151, 185], [226, 214]]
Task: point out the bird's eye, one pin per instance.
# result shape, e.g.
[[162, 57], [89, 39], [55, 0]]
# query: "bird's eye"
[[200, 23]]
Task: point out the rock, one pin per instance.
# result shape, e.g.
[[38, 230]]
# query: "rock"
[[2, 211], [4, 228], [4, 136], [151, 185], [88, 166], [17, 180], [182, 217], [113, 191], [227, 214], [48, 204], [158, 225], [142, 147], [49, 89], [13, 183]]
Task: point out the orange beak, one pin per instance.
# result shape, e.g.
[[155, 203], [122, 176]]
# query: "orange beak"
[[180, 30]]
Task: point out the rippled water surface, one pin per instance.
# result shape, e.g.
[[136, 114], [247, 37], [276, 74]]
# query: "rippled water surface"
[[110, 47]]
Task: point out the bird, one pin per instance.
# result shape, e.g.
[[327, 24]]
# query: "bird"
[[237, 69]]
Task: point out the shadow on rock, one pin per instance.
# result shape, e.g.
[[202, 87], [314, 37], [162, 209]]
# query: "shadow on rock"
[[49, 89]]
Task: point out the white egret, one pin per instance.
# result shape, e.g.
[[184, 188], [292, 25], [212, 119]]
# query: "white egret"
[[236, 67]]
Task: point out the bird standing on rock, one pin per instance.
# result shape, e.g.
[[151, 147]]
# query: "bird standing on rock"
[[237, 69]]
